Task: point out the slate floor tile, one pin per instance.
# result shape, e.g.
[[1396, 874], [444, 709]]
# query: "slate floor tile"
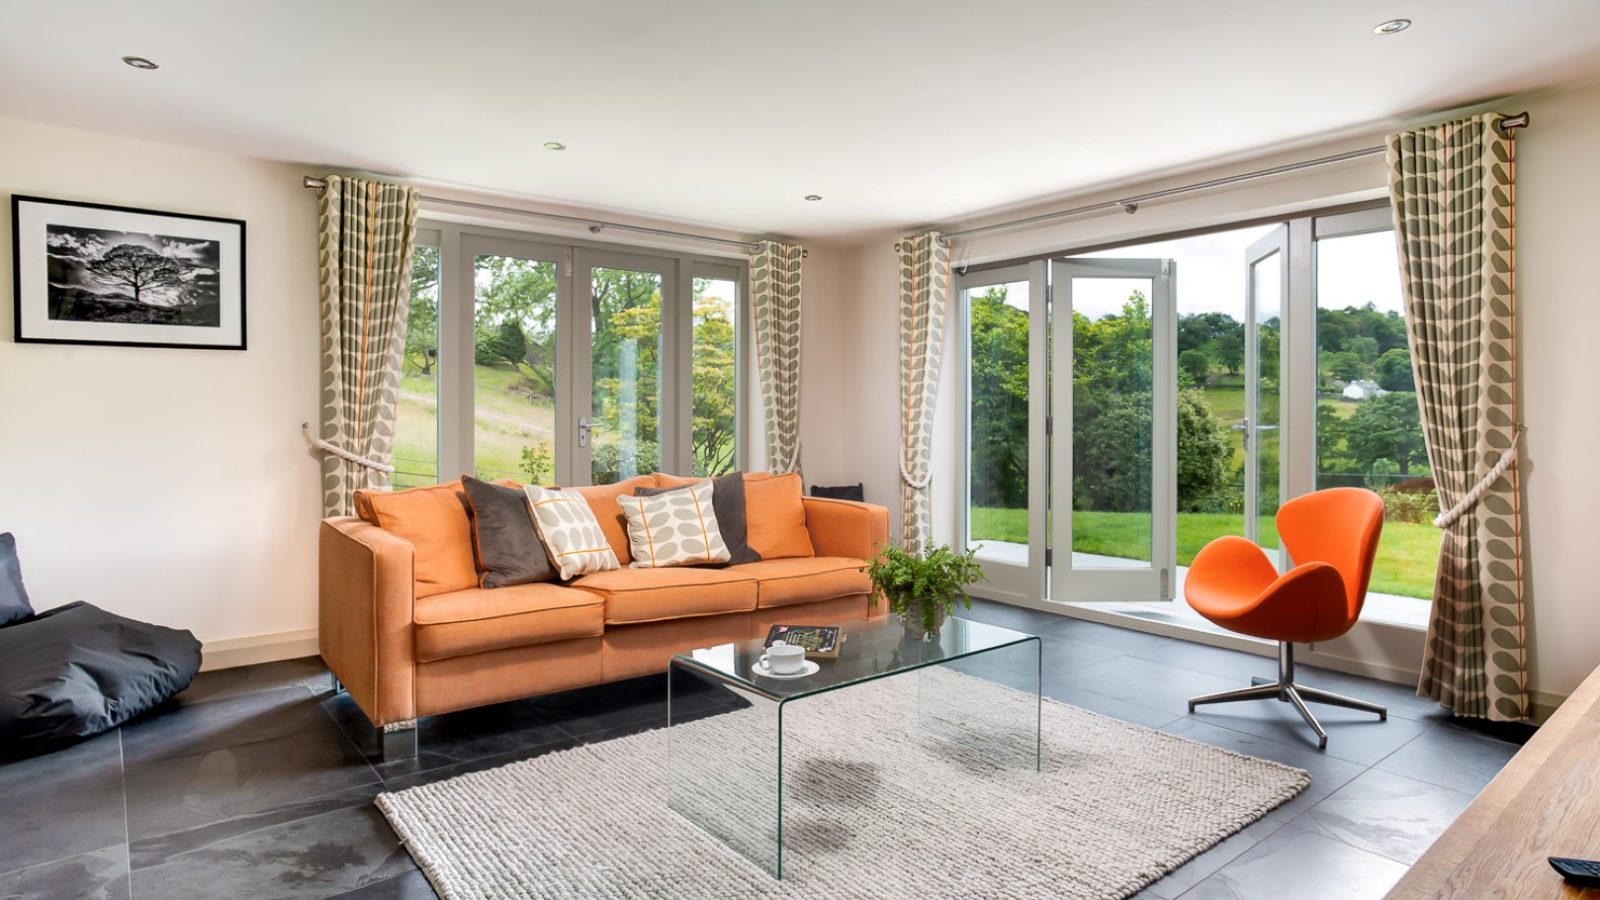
[[1451, 757], [62, 804], [1198, 869], [1357, 736], [413, 885], [220, 684], [448, 739], [1328, 773], [1387, 814], [184, 792], [1292, 864], [313, 857], [152, 851], [187, 729], [97, 875], [1125, 710], [1147, 683]]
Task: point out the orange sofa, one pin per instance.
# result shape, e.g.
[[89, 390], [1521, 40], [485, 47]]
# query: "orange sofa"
[[407, 631]]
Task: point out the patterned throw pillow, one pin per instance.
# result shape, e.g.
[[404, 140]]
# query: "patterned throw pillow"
[[570, 531], [674, 528]]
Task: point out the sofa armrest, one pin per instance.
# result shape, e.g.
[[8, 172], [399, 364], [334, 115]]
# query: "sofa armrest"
[[365, 598], [846, 528]]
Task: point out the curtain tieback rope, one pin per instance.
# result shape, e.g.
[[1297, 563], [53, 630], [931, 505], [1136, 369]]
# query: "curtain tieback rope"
[[912, 482], [320, 444], [1449, 516]]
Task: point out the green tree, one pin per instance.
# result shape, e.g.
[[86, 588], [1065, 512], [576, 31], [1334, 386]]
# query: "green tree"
[[1344, 365], [715, 384], [1230, 348], [1394, 370], [1388, 427], [999, 402], [422, 318], [1365, 347], [1196, 363], [625, 309], [1203, 452]]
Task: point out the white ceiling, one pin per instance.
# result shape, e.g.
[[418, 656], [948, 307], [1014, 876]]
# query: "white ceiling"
[[727, 112]]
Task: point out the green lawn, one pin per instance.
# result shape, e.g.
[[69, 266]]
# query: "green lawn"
[[1407, 553], [506, 418]]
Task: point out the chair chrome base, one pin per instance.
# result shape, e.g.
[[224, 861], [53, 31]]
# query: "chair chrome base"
[[1286, 690]]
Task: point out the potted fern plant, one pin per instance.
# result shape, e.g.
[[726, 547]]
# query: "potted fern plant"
[[923, 589]]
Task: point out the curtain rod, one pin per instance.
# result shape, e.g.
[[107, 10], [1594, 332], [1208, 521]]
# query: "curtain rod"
[[1130, 205], [595, 226]]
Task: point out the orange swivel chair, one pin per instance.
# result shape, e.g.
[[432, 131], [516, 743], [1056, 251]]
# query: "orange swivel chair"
[[1332, 536]]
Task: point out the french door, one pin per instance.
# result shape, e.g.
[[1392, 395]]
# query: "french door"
[[1004, 336], [1266, 266], [1113, 418], [580, 364]]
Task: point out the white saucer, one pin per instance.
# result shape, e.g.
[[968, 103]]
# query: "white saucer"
[[809, 667]]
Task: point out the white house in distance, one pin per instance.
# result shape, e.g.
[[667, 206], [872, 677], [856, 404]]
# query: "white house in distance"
[[1362, 389]]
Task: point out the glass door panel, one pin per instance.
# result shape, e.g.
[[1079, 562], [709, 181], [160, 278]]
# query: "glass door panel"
[[621, 433], [1112, 390], [1267, 283], [1003, 327], [514, 366], [416, 427], [714, 375]]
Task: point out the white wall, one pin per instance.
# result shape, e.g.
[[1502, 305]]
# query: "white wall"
[[1558, 189], [168, 485]]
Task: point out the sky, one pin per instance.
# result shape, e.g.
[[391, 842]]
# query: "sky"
[[1351, 271]]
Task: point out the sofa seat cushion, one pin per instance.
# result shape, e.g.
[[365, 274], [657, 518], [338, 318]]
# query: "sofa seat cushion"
[[654, 595], [476, 620], [784, 582]]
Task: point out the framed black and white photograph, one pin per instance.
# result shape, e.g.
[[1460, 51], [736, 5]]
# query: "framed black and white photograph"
[[86, 273]]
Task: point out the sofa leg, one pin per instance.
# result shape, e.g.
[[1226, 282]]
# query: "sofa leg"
[[400, 740]]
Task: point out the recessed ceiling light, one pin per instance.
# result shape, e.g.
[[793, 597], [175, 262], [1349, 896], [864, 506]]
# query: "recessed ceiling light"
[[813, 197], [139, 62], [1393, 26], [554, 145]]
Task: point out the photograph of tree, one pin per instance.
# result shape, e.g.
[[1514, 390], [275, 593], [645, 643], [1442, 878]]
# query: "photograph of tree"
[[100, 275], [88, 273]]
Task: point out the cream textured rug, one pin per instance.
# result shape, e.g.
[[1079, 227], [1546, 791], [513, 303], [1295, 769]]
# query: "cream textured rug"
[[918, 785]]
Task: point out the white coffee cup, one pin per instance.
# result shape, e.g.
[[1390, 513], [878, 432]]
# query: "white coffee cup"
[[784, 659]]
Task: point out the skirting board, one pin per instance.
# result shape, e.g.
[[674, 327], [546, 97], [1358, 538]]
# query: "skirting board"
[[248, 651], [1543, 702]]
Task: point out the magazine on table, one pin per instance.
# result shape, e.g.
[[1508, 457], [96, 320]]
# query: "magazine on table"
[[822, 641]]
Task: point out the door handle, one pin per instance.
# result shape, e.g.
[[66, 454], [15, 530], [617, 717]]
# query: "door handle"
[[1243, 427], [585, 425]]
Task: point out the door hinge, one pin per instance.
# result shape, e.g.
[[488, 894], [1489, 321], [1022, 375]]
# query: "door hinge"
[[1049, 425], [569, 263], [1049, 557]]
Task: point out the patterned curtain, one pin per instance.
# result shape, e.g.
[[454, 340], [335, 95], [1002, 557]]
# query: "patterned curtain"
[[1451, 186], [775, 304], [366, 229], [924, 292]]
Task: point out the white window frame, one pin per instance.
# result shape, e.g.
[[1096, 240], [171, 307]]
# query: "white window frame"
[[456, 242]]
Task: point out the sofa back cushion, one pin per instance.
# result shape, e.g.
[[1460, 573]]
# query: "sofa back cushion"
[[434, 520], [775, 517], [507, 547], [603, 500], [727, 499]]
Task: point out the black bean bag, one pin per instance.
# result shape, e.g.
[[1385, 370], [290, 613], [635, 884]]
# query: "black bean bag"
[[77, 670]]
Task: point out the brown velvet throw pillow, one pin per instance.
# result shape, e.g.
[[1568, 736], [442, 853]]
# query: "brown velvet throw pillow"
[[506, 545], [727, 504]]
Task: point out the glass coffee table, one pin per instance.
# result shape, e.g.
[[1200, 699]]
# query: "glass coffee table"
[[729, 778]]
